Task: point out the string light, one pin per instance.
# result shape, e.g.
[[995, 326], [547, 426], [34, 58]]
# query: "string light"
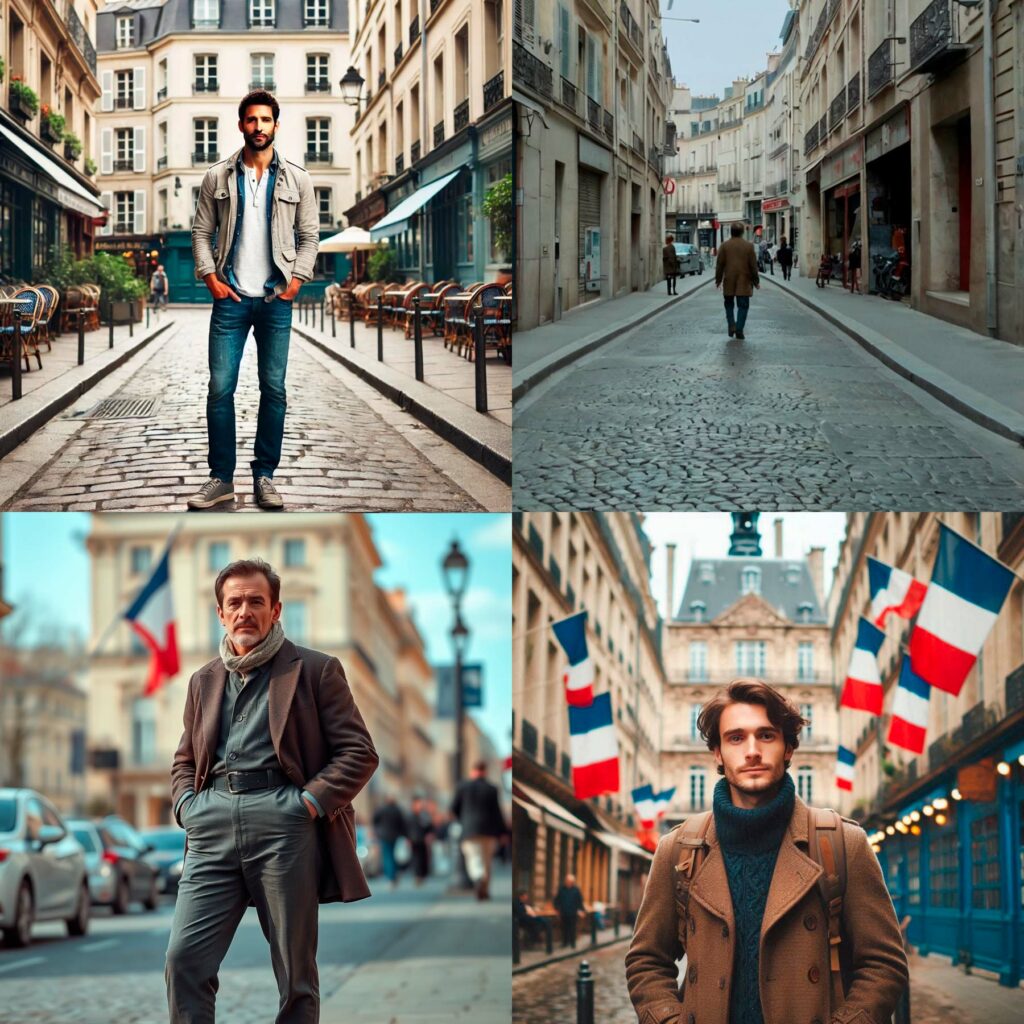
[[915, 830], [928, 810], [1003, 768], [915, 815], [955, 795], [940, 819], [890, 830]]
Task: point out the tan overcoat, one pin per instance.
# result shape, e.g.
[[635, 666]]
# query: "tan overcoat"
[[736, 267], [795, 981], [320, 740]]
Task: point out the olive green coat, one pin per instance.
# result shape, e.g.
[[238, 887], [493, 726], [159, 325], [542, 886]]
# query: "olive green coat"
[[795, 981]]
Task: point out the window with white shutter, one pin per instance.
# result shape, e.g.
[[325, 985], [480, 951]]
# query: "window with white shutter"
[[107, 199], [140, 88], [140, 149], [140, 211], [124, 212], [107, 85], [107, 151]]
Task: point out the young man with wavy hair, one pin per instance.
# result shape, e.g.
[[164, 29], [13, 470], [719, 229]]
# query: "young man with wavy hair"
[[740, 891]]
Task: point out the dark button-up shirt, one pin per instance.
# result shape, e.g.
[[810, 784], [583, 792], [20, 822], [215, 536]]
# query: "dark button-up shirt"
[[244, 743]]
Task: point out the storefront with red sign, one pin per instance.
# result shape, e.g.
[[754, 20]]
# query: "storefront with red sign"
[[841, 189]]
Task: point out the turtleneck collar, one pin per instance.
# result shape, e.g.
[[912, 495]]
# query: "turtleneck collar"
[[757, 830]]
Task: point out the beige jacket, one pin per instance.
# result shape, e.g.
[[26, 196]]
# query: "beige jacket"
[[795, 979], [294, 221]]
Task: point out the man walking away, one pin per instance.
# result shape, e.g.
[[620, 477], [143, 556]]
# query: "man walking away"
[[670, 264], [736, 274], [421, 831], [785, 256], [478, 812], [158, 288], [389, 826], [568, 902]]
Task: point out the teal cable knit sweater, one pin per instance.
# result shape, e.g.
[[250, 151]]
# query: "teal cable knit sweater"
[[750, 843]]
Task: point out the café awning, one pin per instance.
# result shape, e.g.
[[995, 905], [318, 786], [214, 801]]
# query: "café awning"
[[70, 193], [395, 221], [552, 813]]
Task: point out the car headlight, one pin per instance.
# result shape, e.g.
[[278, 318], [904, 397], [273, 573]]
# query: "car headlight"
[[105, 870]]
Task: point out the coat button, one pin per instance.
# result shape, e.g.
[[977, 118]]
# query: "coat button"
[[725, 931], [810, 922], [721, 982], [693, 975], [813, 974]]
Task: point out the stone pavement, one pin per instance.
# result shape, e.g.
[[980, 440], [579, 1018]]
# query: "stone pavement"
[[977, 375], [676, 415], [345, 447], [536, 954]]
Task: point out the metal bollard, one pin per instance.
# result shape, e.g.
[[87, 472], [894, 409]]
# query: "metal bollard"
[[380, 328], [417, 337], [593, 929], [334, 330], [615, 913], [481, 367], [16, 356], [321, 314], [147, 318], [515, 943], [352, 328], [131, 326], [111, 345], [81, 340], [584, 995]]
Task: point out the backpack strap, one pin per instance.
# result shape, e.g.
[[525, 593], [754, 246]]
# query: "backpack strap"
[[827, 846], [692, 848]]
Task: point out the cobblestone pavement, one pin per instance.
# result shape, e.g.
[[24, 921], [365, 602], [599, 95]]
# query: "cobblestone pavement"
[[116, 972], [343, 449], [675, 415]]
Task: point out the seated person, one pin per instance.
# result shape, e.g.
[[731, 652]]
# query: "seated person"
[[530, 919]]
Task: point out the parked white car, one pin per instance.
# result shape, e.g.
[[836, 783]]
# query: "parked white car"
[[43, 876], [690, 259]]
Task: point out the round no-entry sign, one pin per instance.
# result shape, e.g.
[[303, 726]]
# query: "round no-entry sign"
[[669, 186]]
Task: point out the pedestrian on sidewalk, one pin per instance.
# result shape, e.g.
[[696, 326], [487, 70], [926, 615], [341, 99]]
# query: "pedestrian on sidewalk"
[[478, 812], [389, 825], [568, 902], [736, 274], [769, 938], [421, 833], [264, 213], [670, 264], [158, 288], [853, 267], [273, 753], [769, 255], [785, 258]]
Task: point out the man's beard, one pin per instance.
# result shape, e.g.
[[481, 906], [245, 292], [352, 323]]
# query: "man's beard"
[[247, 638], [759, 782], [258, 147]]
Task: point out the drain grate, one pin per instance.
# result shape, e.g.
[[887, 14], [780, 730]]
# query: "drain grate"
[[122, 409]]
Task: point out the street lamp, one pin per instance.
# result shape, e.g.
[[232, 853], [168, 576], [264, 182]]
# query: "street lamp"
[[351, 87], [455, 569]]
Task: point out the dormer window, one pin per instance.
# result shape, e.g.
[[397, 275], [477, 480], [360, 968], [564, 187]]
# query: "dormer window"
[[206, 13], [751, 580], [125, 32], [698, 611], [793, 574], [261, 13], [804, 611], [707, 572]]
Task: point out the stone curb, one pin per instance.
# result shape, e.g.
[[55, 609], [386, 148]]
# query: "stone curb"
[[559, 957], [962, 398]]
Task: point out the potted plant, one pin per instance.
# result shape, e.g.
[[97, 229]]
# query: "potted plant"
[[72, 146], [121, 292], [380, 265], [90, 166], [24, 102], [51, 124], [497, 207]]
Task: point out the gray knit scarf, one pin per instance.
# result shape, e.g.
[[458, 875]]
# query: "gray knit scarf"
[[259, 655]]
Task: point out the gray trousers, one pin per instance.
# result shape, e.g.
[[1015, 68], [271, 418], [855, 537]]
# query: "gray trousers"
[[262, 845]]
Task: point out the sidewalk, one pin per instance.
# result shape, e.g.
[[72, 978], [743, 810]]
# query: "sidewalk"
[[538, 353], [61, 381], [979, 377], [940, 993], [536, 956], [445, 400]]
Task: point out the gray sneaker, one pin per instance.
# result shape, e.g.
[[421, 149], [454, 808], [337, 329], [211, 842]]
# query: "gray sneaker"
[[266, 495], [213, 492]]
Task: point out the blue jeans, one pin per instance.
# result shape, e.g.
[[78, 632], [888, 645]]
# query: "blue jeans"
[[387, 859], [743, 303], [271, 324]]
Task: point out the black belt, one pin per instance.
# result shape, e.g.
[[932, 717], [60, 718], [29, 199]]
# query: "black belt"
[[243, 782]]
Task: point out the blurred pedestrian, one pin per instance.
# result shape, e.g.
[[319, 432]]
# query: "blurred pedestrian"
[[785, 257], [736, 274], [478, 812], [273, 753], [421, 832], [568, 902], [530, 919], [670, 264], [158, 288], [389, 826]]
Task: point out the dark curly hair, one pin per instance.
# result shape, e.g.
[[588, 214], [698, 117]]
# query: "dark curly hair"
[[782, 713], [259, 98]]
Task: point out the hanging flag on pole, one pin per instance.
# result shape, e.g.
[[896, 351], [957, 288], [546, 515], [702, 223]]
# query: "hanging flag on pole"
[[151, 616], [909, 710], [578, 678], [845, 761], [594, 750], [893, 590], [646, 806], [965, 595], [662, 800], [863, 687]]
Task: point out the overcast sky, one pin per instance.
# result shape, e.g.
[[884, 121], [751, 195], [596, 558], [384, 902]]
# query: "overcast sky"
[[732, 40]]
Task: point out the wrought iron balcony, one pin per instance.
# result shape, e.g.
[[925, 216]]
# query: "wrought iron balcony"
[[638, 145], [124, 165], [853, 94], [398, 54], [632, 28], [434, 4], [161, 94], [414, 30], [316, 20], [811, 139], [531, 72], [124, 227], [263, 83], [162, 224], [399, 163], [594, 114], [656, 158], [205, 86], [438, 133], [161, 163], [728, 186], [326, 218], [935, 38], [837, 110], [205, 156], [881, 68], [461, 116], [609, 125], [81, 38], [319, 156], [494, 90], [823, 129], [816, 36], [977, 721], [124, 102], [414, 151], [382, 77], [1015, 689], [317, 85]]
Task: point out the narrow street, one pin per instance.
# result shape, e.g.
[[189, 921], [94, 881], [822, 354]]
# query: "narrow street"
[[413, 954], [345, 446], [676, 415]]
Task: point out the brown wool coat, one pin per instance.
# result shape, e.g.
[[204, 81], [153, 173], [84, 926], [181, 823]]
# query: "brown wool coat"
[[320, 740], [669, 260], [795, 980], [736, 267]]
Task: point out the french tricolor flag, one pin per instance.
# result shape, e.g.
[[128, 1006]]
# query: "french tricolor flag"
[[646, 806], [593, 748], [151, 615], [909, 711], [578, 678], [662, 800], [967, 591], [893, 590], [845, 760], [863, 687]]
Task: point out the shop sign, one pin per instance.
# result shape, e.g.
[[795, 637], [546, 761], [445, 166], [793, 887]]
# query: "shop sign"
[[496, 134], [978, 781], [887, 137], [842, 165], [774, 204]]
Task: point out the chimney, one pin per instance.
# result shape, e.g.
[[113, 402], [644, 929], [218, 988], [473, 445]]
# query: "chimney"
[[778, 538], [816, 566], [670, 585]]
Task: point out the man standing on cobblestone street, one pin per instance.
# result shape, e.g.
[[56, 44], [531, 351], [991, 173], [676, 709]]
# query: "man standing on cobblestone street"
[[273, 752], [780, 909], [263, 211], [736, 274]]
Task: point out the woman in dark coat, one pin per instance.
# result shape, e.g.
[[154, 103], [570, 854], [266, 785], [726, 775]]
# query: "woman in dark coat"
[[421, 829], [670, 264], [784, 254]]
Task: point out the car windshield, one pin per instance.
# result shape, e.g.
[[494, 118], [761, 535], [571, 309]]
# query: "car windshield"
[[124, 835], [84, 836], [8, 813], [168, 841]]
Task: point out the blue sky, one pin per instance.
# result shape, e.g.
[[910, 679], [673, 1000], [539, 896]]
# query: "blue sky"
[[46, 565], [732, 40]]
